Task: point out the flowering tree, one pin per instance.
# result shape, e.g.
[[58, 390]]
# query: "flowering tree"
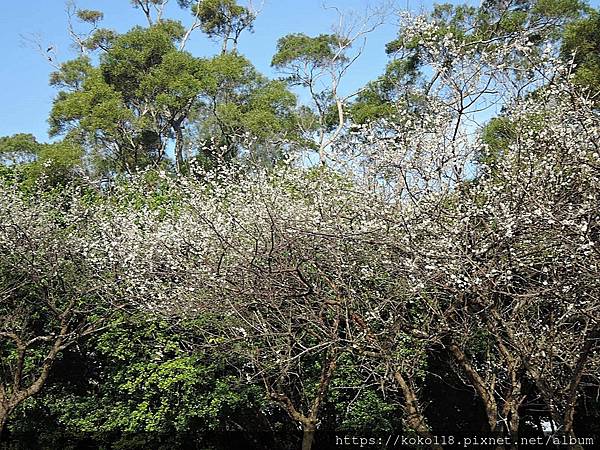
[[52, 291], [395, 249], [299, 266], [422, 154], [509, 260], [286, 280], [455, 219], [383, 255], [545, 270]]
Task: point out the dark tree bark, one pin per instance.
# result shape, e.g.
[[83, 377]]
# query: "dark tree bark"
[[414, 416]]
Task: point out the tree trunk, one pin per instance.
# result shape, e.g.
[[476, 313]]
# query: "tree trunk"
[[480, 385], [414, 417], [571, 401], [308, 436], [225, 41], [4, 412], [513, 424], [179, 162], [568, 426], [513, 397]]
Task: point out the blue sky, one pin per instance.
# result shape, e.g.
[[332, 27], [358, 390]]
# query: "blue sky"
[[26, 98]]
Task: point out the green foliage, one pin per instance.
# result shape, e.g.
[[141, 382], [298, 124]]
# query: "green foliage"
[[270, 109], [559, 9], [18, 148], [144, 91], [222, 18], [130, 104], [89, 15], [174, 83], [102, 38], [72, 74], [97, 109], [501, 133], [143, 381], [382, 97], [359, 408], [497, 135], [56, 165], [479, 29], [39, 165], [581, 43], [166, 388], [135, 54], [226, 75], [236, 102], [299, 48]]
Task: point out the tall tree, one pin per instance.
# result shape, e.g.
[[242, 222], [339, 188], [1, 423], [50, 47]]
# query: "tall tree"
[[581, 44], [319, 65], [135, 102], [224, 20], [133, 108]]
